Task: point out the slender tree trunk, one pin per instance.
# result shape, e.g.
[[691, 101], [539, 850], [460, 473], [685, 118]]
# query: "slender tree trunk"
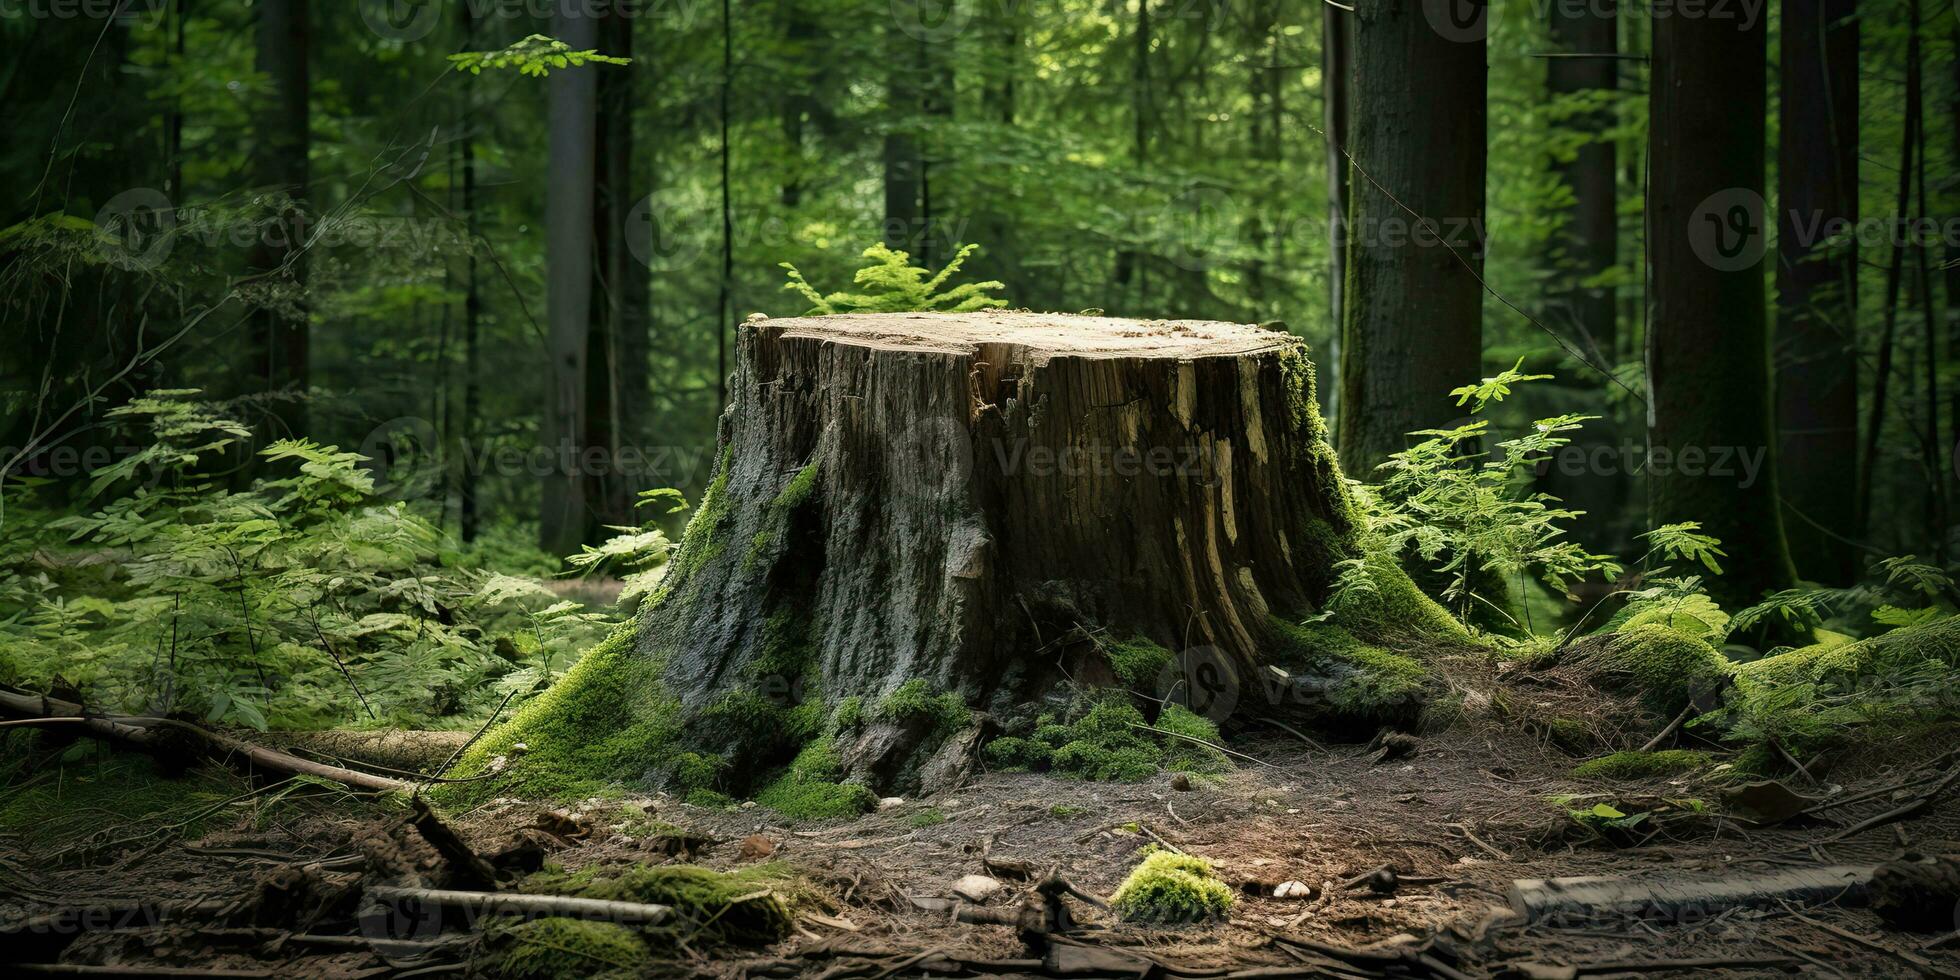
[[1585, 248], [472, 428], [573, 102], [1888, 333], [1936, 506], [1336, 71], [616, 381], [725, 294], [936, 110], [1128, 260], [1413, 324], [279, 163], [904, 222], [1817, 284], [1707, 351]]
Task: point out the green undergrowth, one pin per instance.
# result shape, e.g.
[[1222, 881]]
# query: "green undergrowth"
[[1642, 765], [1172, 888], [1099, 738], [603, 723], [704, 537], [751, 906], [913, 701], [1833, 694], [809, 788], [1663, 668]]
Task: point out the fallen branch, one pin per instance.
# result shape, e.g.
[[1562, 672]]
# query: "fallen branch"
[[1672, 727], [144, 733], [1234, 753], [1588, 898], [1898, 813], [469, 867], [528, 906], [1539, 971]]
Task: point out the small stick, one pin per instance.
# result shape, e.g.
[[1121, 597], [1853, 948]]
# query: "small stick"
[[1296, 733], [1480, 842], [1921, 962], [1214, 745], [1672, 727]]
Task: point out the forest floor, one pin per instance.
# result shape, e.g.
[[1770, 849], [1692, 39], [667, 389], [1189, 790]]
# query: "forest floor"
[[1460, 818]]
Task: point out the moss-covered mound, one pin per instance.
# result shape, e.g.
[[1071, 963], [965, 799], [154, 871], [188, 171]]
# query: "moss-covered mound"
[[1105, 737], [1832, 693], [750, 906], [1662, 669], [1642, 765], [1170, 888], [563, 949]]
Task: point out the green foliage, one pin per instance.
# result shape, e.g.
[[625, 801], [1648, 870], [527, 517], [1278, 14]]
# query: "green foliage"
[[303, 601], [1108, 740], [1685, 542], [1642, 765], [563, 949], [1172, 888], [945, 712], [1665, 668], [800, 799], [1832, 693], [929, 817], [1137, 662], [1469, 514], [535, 55], [892, 284], [751, 906]]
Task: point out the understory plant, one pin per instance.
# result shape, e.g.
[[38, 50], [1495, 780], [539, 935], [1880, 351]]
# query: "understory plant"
[[1471, 513], [892, 284], [301, 601]]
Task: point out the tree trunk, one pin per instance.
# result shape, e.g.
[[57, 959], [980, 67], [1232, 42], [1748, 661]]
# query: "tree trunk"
[[1709, 409], [467, 503], [279, 329], [1336, 63], [1413, 325], [568, 283], [616, 344], [904, 168], [1817, 285], [985, 505], [1586, 247]]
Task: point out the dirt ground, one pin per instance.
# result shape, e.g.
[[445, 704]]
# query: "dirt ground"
[[1469, 811]]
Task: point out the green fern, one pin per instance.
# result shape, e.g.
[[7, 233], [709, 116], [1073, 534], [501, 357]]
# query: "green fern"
[[536, 56], [892, 284]]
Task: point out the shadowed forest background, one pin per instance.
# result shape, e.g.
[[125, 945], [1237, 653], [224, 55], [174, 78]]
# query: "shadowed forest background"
[[391, 382]]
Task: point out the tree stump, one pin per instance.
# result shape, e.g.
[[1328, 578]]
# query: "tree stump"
[[915, 516]]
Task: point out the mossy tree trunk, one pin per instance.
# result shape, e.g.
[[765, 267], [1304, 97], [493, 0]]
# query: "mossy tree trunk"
[[921, 515]]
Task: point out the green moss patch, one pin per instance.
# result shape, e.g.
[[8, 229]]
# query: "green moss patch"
[[1663, 668], [563, 949], [1642, 765], [1137, 662], [1365, 684], [1105, 743], [913, 700], [1834, 693], [96, 787], [1169, 888], [750, 906], [606, 721]]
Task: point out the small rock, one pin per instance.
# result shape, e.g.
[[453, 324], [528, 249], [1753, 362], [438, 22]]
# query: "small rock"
[[519, 748], [748, 804], [1181, 783], [755, 847], [976, 888], [891, 802], [1293, 889]]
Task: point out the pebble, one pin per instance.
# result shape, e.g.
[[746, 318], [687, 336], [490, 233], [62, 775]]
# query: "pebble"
[[976, 888]]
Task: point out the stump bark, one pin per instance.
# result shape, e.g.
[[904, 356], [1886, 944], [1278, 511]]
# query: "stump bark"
[[920, 516]]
